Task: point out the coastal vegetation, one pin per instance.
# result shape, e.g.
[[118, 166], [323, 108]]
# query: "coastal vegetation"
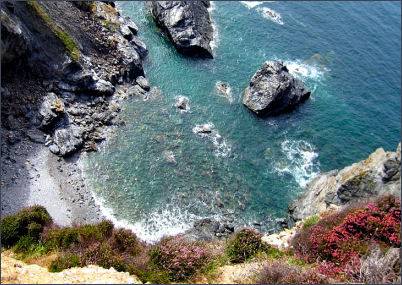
[[333, 247]]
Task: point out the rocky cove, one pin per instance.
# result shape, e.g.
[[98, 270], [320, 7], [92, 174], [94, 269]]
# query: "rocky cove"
[[130, 113]]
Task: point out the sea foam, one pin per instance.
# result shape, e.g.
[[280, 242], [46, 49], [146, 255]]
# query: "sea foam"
[[301, 161], [270, 14], [305, 71], [251, 4]]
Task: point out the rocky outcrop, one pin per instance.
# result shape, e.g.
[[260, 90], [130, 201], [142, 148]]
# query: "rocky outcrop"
[[209, 229], [14, 271], [187, 24], [74, 56], [272, 90], [378, 175]]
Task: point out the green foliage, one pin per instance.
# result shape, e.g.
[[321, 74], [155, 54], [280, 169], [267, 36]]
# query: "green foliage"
[[245, 245], [125, 241], [63, 238], [65, 261], [28, 222], [69, 43], [310, 221]]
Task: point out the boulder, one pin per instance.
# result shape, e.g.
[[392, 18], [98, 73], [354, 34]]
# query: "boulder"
[[272, 90], [50, 111], [86, 81], [378, 175], [143, 83], [67, 140], [187, 24]]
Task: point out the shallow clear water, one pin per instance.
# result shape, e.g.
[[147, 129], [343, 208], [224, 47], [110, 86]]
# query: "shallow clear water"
[[347, 53]]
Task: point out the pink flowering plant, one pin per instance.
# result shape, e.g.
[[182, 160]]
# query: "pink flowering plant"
[[180, 258]]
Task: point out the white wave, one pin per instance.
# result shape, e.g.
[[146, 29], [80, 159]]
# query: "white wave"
[[270, 14], [252, 4], [166, 222], [301, 161], [222, 147], [215, 37], [303, 71]]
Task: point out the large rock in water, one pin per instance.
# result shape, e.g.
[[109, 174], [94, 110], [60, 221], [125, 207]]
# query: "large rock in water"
[[273, 90], [378, 175], [187, 23]]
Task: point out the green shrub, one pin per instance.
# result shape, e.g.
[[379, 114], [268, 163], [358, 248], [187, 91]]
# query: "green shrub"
[[28, 222], [310, 221], [244, 245], [102, 254], [63, 238], [65, 261], [124, 240]]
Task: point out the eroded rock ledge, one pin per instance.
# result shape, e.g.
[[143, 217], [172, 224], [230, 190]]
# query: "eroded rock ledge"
[[187, 24], [378, 175]]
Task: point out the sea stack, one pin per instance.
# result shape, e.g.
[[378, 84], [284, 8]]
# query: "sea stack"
[[187, 24], [272, 90]]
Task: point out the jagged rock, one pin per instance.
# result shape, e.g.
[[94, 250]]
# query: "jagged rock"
[[14, 42], [67, 140], [378, 175], [136, 91], [208, 229], [187, 23], [143, 83], [86, 81], [51, 110], [182, 103], [139, 46], [272, 90], [131, 61], [128, 28]]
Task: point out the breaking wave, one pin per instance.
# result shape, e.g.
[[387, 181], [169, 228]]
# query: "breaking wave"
[[301, 161], [270, 14], [251, 4], [305, 71]]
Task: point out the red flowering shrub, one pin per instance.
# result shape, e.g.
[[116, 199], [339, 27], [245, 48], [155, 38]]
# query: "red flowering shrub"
[[340, 238], [180, 258]]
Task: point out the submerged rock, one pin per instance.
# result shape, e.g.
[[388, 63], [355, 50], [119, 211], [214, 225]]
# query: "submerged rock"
[[187, 23], [182, 103], [224, 89], [272, 90], [378, 175]]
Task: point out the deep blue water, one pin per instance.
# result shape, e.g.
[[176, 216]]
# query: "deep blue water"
[[347, 53]]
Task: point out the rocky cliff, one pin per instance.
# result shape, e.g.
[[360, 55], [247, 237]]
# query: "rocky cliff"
[[377, 175]]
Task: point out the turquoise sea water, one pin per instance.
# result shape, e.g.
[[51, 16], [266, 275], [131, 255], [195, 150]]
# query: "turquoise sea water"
[[347, 53]]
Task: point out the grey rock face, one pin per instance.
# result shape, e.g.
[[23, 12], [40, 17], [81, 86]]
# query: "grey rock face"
[[378, 175], [139, 47], [208, 229], [67, 140], [51, 110], [188, 25], [14, 43], [272, 90]]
